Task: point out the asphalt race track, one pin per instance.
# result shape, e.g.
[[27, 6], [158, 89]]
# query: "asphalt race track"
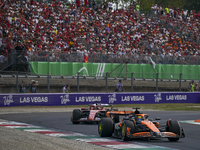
[[61, 121]]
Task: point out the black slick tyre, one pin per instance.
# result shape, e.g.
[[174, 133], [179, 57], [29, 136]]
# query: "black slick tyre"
[[131, 126], [105, 127], [174, 127], [76, 115]]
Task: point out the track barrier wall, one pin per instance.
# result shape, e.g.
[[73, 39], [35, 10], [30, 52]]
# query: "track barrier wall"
[[147, 71], [62, 99]]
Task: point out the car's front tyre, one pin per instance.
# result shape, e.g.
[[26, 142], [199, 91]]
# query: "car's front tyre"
[[105, 127], [174, 127], [127, 124], [76, 115]]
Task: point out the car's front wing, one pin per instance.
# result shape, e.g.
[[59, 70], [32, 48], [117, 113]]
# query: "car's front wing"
[[87, 120], [154, 135]]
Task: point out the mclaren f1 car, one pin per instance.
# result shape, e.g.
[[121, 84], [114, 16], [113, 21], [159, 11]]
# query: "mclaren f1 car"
[[137, 125], [95, 112]]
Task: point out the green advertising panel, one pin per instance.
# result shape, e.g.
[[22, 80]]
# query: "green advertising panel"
[[116, 70]]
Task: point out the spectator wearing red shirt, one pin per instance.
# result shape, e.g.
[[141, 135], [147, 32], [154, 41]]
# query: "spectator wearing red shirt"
[[86, 2], [78, 3]]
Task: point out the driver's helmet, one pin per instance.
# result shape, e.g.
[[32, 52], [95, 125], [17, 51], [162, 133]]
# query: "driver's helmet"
[[138, 118]]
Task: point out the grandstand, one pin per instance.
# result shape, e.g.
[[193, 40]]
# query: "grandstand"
[[62, 29], [56, 31]]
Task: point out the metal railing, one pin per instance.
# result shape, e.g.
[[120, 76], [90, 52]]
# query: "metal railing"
[[43, 56], [113, 58], [16, 64]]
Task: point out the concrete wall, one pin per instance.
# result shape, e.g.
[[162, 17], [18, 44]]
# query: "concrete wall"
[[8, 85]]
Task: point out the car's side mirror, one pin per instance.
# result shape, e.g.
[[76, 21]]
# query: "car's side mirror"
[[157, 118], [150, 119]]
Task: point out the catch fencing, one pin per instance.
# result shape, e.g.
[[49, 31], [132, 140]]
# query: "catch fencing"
[[57, 56]]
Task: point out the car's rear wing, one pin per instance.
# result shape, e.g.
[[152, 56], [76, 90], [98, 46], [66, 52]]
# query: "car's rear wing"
[[107, 105], [121, 113], [104, 105]]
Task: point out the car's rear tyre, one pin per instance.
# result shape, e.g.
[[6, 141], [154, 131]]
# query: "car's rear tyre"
[[76, 115], [105, 127], [131, 126], [174, 127]]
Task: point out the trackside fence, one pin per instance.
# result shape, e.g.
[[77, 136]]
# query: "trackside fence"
[[178, 78], [44, 99]]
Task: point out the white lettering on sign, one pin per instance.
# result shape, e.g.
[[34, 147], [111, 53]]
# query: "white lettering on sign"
[[88, 99], [132, 98], [33, 99], [176, 97], [25, 100]]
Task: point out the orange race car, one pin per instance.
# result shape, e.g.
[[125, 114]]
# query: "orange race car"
[[137, 125], [95, 112]]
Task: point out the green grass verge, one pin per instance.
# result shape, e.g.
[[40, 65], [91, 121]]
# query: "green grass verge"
[[166, 107]]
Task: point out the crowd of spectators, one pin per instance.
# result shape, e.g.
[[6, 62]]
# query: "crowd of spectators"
[[63, 29]]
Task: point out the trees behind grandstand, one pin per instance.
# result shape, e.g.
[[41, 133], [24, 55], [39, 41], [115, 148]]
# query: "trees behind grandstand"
[[181, 4], [146, 4]]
